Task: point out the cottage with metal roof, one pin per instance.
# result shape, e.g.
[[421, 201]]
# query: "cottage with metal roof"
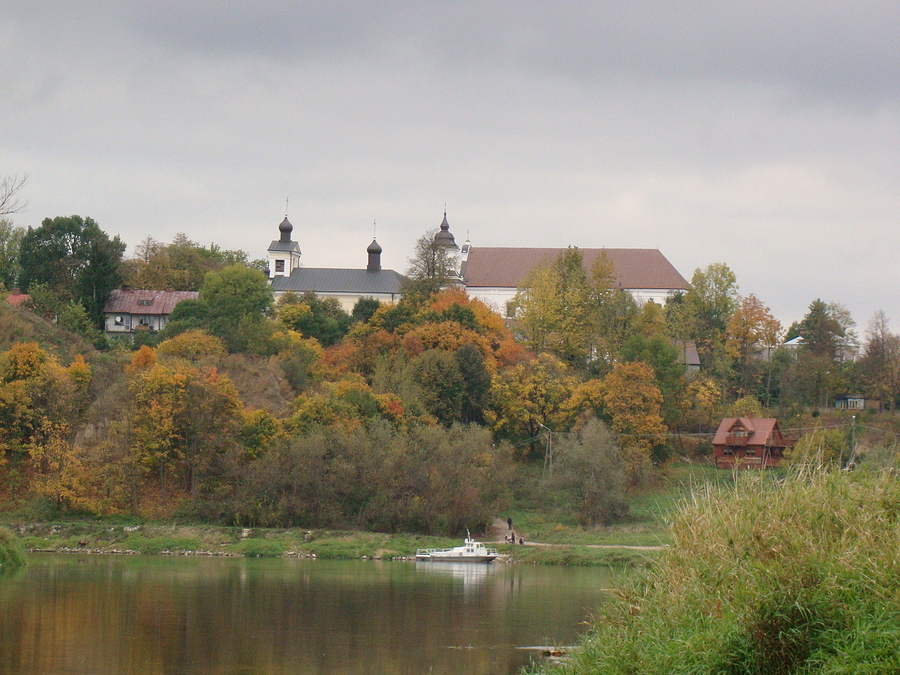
[[347, 286], [129, 310]]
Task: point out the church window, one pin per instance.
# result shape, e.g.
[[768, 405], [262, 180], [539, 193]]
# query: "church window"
[[279, 266]]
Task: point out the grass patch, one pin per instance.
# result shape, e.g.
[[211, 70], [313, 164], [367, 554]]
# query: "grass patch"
[[261, 548], [775, 573]]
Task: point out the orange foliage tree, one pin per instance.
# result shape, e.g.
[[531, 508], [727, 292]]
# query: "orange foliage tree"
[[632, 403]]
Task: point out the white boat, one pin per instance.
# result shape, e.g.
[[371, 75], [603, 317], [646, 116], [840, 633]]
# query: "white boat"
[[470, 551]]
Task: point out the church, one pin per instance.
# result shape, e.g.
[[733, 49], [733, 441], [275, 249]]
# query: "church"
[[491, 274]]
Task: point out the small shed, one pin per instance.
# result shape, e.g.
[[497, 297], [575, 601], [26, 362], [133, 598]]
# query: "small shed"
[[749, 443]]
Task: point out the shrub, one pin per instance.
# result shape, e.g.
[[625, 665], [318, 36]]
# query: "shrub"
[[11, 555]]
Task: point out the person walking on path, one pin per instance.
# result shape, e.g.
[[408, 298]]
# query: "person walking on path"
[[509, 522]]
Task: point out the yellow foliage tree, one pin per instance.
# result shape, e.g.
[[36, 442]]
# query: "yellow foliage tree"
[[192, 345], [632, 403]]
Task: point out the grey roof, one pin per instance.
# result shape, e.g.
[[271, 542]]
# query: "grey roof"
[[284, 246], [329, 280]]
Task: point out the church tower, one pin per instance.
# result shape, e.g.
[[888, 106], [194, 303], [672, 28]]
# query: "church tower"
[[445, 239], [284, 254]]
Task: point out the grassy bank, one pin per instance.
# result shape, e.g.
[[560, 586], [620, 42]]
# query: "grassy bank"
[[160, 539], [11, 555], [794, 574]]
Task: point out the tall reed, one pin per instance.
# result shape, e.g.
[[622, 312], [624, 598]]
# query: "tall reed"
[[795, 574]]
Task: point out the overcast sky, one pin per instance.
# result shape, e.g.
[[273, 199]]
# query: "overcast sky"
[[765, 135]]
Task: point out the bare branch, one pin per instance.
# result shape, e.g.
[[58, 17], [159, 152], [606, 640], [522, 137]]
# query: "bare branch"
[[9, 194]]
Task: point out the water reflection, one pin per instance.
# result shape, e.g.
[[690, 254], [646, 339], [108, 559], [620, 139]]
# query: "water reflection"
[[96, 614]]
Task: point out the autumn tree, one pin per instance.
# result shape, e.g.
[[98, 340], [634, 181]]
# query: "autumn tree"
[[751, 335], [530, 395], [180, 417], [632, 405], [180, 265], [431, 268], [553, 308]]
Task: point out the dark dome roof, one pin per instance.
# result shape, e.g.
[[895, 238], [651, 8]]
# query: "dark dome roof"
[[285, 228], [374, 247], [444, 237]]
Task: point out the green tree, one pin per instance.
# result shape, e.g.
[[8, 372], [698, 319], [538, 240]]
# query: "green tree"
[[711, 301], [880, 362], [314, 317], [180, 265], [591, 467], [439, 384], [364, 309], [233, 306], [661, 355], [75, 258], [10, 243]]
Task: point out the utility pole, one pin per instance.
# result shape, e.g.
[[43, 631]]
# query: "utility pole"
[[548, 457]]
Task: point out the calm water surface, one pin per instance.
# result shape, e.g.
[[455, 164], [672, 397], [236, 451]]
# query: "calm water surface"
[[117, 615]]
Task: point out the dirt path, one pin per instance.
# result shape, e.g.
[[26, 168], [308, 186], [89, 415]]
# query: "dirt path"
[[500, 529]]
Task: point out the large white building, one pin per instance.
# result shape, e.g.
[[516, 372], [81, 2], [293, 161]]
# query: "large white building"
[[491, 274]]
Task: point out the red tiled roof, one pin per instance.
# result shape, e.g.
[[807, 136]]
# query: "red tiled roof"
[[761, 430], [160, 302], [635, 268], [15, 298]]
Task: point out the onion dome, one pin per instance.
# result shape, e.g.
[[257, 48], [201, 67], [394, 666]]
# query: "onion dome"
[[285, 228], [443, 237], [374, 251]]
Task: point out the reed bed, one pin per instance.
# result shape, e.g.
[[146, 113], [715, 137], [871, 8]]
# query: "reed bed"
[[789, 574]]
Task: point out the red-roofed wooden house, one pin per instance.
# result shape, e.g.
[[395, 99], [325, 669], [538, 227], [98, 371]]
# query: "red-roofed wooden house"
[[129, 310], [749, 443]]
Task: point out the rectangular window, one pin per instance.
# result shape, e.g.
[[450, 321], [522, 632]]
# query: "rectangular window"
[[145, 303], [279, 266]]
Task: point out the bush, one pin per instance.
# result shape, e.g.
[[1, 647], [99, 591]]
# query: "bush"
[[11, 554]]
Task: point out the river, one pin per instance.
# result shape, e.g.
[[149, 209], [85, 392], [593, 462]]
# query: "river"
[[96, 614]]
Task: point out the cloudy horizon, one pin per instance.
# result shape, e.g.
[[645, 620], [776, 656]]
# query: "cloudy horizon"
[[765, 135]]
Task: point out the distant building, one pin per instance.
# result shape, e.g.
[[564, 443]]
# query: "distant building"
[[16, 298], [494, 274], [128, 310], [347, 286], [491, 274], [688, 356], [749, 443]]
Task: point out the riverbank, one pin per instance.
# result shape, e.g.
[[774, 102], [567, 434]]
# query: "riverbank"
[[110, 538]]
